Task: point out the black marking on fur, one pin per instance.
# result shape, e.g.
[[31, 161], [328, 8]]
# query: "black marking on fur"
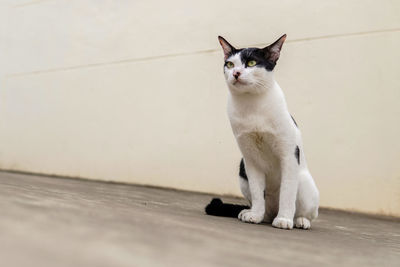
[[259, 55], [242, 170], [295, 123], [264, 193], [265, 57], [297, 154], [218, 208]]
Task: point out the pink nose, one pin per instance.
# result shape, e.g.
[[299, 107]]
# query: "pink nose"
[[236, 74]]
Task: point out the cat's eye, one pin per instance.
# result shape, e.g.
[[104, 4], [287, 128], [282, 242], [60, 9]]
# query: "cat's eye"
[[229, 65], [251, 63]]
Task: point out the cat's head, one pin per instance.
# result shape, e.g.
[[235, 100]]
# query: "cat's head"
[[249, 70]]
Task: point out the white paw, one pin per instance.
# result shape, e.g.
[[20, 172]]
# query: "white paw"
[[250, 216], [302, 223], [282, 223]]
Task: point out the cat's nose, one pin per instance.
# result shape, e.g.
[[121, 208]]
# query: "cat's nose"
[[236, 74]]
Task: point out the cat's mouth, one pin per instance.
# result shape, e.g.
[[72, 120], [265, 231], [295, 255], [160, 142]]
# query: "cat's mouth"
[[239, 82]]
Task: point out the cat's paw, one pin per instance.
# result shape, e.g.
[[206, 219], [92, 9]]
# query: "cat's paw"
[[282, 223], [249, 216], [302, 223]]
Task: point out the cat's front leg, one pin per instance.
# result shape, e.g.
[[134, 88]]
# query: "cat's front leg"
[[256, 180], [288, 192]]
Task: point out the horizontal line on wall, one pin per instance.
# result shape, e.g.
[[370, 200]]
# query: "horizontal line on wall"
[[322, 37], [132, 60], [117, 62]]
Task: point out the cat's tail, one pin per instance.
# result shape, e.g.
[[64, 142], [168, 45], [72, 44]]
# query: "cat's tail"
[[218, 208]]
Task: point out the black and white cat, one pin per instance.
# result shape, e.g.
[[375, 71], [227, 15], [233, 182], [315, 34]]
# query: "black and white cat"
[[274, 176]]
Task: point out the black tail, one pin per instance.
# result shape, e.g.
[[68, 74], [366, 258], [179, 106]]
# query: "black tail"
[[218, 208]]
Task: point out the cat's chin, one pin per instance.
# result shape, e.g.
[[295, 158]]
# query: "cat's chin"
[[240, 83], [238, 89]]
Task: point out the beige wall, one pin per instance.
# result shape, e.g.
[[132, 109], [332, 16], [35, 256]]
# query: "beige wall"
[[133, 91]]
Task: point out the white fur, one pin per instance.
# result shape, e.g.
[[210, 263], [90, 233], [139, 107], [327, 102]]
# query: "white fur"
[[267, 138]]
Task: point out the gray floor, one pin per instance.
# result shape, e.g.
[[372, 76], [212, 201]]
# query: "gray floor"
[[47, 221]]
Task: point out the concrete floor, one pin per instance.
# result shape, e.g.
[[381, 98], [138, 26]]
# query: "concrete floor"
[[47, 221]]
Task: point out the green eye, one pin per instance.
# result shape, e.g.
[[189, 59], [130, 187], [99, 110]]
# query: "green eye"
[[229, 65], [251, 63]]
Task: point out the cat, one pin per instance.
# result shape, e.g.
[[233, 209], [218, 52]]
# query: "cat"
[[273, 172]]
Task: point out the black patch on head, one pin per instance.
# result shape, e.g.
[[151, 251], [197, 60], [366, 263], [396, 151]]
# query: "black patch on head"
[[218, 208], [259, 55], [294, 121], [265, 57], [297, 154], [242, 170]]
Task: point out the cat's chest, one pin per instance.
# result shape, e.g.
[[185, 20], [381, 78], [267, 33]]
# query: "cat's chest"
[[257, 135], [257, 141], [259, 127], [260, 147]]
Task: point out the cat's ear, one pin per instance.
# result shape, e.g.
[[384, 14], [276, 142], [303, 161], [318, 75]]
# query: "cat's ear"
[[273, 51], [226, 47]]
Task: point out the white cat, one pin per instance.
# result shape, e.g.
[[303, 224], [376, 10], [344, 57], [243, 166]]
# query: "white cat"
[[274, 176]]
